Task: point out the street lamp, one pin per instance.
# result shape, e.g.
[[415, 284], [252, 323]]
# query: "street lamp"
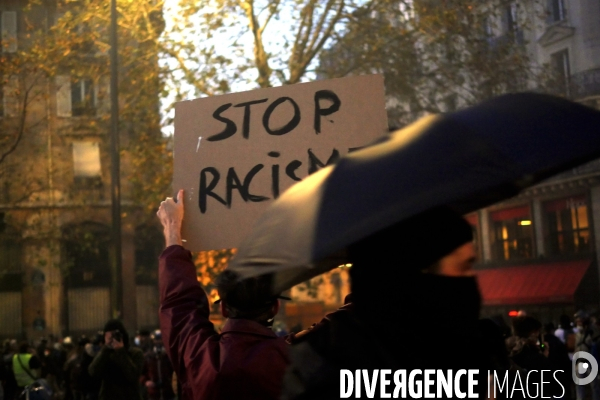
[[115, 182]]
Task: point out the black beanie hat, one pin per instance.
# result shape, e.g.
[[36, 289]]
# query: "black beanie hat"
[[252, 294], [117, 325], [417, 242]]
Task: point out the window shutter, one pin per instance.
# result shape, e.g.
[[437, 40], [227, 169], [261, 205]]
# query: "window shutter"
[[63, 96], [9, 31], [10, 97]]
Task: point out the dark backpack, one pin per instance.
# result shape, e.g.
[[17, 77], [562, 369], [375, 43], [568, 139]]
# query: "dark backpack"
[[38, 390]]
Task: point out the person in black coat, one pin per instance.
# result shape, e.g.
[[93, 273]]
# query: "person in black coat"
[[530, 352], [558, 355], [422, 292], [9, 382], [118, 365]]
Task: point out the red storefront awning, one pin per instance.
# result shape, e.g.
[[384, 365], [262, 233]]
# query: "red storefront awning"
[[532, 284]]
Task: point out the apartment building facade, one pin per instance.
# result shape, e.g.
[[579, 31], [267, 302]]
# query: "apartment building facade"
[[55, 199], [539, 250]]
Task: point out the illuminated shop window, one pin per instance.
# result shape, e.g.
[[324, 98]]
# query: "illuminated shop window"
[[568, 229], [512, 233]]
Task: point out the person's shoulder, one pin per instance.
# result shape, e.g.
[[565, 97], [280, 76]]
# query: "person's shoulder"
[[276, 347], [136, 351]]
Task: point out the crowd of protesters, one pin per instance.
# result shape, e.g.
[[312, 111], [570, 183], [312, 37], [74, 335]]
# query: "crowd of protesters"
[[429, 310], [427, 307], [525, 345], [103, 367]]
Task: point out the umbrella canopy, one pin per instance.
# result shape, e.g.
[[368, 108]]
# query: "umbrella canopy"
[[466, 160]]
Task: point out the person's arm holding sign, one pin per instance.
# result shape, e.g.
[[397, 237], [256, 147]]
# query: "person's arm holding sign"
[[170, 214], [184, 307]]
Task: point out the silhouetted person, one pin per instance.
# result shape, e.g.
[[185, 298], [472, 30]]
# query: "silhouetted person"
[[246, 360], [118, 365], [426, 277]]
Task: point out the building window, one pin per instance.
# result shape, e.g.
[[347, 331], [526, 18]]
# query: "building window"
[[512, 234], [4, 195], [86, 250], [556, 11], [86, 268], [11, 280], [86, 159], [568, 226], [75, 98], [9, 100], [86, 163], [8, 27], [562, 71], [10, 249], [10, 256], [510, 18], [149, 242], [83, 98]]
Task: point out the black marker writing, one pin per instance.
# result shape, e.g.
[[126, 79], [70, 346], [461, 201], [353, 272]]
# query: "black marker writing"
[[230, 129], [290, 126], [210, 177], [246, 105], [321, 112]]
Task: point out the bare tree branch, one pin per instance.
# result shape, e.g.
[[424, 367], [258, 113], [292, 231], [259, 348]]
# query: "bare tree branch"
[[20, 129], [261, 58]]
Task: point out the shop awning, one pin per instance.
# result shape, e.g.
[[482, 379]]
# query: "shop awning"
[[532, 284]]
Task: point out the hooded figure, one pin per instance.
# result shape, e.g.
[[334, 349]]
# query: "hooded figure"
[[414, 282], [118, 365]]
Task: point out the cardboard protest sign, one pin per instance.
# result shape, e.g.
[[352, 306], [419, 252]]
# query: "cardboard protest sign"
[[235, 153]]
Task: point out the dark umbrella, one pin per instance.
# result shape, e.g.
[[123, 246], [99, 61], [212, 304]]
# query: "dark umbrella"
[[466, 160]]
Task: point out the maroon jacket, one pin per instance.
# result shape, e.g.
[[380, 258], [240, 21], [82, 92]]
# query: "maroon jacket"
[[245, 361]]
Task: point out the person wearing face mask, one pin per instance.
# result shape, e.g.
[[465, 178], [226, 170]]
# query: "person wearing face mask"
[[418, 270]]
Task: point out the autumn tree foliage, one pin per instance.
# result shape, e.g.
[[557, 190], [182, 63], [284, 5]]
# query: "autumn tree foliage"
[[438, 56], [435, 55], [209, 264]]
